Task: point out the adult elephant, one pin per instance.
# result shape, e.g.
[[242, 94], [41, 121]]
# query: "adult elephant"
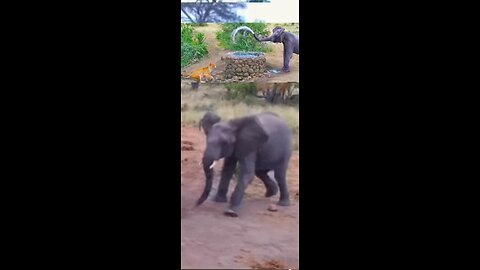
[[290, 44], [258, 143]]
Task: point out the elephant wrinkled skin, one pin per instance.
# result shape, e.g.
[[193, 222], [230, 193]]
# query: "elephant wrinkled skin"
[[290, 44], [258, 143]]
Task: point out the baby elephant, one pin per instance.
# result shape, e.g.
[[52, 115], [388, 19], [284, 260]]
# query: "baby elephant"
[[207, 121], [258, 143]]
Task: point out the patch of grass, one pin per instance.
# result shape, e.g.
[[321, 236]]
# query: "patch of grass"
[[240, 91], [290, 27], [193, 45], [198, 24], [243, 42], [196, 103]]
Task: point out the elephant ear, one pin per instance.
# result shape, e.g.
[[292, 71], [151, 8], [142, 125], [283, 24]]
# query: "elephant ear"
[[207, 121], [278, 34], [249, 135]]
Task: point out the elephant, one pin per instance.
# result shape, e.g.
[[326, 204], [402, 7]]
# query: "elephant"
[[207, 121], [290, 44], [259, 143]]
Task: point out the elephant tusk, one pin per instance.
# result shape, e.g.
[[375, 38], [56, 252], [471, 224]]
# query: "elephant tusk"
[[213, 164]]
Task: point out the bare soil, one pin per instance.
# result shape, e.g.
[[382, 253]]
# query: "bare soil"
[[274, 58], [257, 239]]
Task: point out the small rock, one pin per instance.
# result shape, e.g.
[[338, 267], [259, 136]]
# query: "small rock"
[[272, 207]]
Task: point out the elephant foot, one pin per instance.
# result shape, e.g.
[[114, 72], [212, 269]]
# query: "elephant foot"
[[271, 192], [220, 198], [230, 213], [285, 202]]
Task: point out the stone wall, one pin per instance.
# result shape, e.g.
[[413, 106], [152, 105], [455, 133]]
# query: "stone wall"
[[244, 68]]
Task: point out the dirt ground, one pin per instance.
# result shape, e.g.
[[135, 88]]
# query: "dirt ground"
[[257, 239], [274, 58]]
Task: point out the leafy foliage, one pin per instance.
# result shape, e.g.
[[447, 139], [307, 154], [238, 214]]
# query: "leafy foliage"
[[244, 42], [193, 45]]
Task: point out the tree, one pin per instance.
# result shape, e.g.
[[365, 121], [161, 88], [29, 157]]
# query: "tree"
[[204, 11]]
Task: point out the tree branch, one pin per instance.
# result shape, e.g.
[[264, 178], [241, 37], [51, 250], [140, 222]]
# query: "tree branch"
[[188, 16]]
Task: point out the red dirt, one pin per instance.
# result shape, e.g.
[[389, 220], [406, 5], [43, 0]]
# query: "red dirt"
[[270, 264], [257, 238]]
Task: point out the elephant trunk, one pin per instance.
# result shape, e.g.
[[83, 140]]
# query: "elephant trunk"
[[261, 39], [208, 164], [200, 124]]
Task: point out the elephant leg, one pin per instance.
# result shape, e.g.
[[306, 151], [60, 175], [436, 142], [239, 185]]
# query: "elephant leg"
[[270, 185], [280, 176], [287, 55], [228, 170], [247, 173]]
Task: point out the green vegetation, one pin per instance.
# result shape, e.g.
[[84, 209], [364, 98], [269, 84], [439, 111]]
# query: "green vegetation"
[[243, 43], [241, 92], [198, 24], [193, 45]]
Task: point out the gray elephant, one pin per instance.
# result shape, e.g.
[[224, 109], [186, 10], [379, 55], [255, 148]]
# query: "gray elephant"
[[290, 44], [259, 143]]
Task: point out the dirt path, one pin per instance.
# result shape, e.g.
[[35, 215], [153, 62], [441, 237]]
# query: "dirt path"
[[257, 238], [274, 58]]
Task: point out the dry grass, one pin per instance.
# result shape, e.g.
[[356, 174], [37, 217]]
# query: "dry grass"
[[290, 27], [212, 97]]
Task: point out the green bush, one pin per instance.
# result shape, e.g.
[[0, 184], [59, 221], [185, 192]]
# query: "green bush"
[[198, 24], [193, 45], [240, 91], [247, 43]]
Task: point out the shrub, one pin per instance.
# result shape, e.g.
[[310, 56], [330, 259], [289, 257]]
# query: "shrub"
[[247, 43], [240, 91], [193, 45]]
